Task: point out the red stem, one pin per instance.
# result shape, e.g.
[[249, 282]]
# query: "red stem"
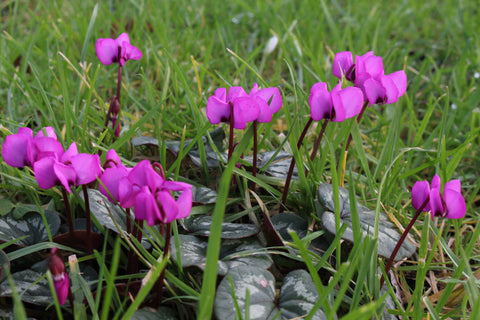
[[255, 150], [292, 165], [402, 239], [166, 250], [67, 209], [87, 217], [230, 138]]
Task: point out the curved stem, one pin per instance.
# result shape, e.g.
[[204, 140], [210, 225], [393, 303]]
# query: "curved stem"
[[402, 239], [255, 150], [230, 137], [166, 250], [292, 165], [67, 209], [87, 217]]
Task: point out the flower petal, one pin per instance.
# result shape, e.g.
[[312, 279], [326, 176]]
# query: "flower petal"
[[271, 95], [62, 287], [347, 103], [217, 110], [44, 173], [436, 206], [107, 51], [420, 193], [169, 207], [146, 207], [374, 91], [71, 152], [14, 148], [245, 109], [453, 185], [87, 167], [235, 92], [111, 179], [455, 203], [342, 64], [66, 175], [320, 102]]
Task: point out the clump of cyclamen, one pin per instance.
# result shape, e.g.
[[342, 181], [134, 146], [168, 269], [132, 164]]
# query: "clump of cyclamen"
[[368, 74], [450, 204], [143, 188], [50, 163]]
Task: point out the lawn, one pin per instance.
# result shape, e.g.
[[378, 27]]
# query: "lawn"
[[227, 234]]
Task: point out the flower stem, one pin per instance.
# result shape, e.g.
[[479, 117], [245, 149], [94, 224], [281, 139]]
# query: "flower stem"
[[255, 150], [292, 165], [166, 250], [67, 209], [230, 137], [402, 239], [87, 217]]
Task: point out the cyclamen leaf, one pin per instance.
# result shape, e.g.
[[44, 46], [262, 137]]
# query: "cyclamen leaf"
[[388, 232], [5, 206], [200, 226], [257, 286]]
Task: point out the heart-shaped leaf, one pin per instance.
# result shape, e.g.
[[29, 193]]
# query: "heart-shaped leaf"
[[203, 195], [21, 209], [30, 288], [30, 225], [107, 213], [278, 165], [257, 286], [193, 253], [388, 233], [200, 226], [5, 206]]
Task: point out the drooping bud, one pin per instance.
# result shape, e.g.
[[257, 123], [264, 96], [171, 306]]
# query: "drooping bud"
[[60, 277]]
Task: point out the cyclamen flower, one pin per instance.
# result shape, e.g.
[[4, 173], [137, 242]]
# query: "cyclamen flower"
[[449, 205], [111, 176], [116, 50], [245, 108], [263, 96], [60, 277], [51, 165], [337, 105], [151, 195], [367, 73]]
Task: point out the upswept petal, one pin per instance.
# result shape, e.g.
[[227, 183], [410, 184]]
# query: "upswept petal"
[[107, 51], [65, 174], [111, 179], [436, 206], [436, 182], [44, 172], [235, 92], [14, 148], [87, 167], [127, 192], [245, 109], [265, 114], [221, 94], [184, 201], [374, 91], [320, 102], [455, 203], [420, 193], [453, 185], [369, 64], [122, 39], [399, 78], [217, 110], [146, 207], [49, 131], [342, 64], [391, 90], [138, 175], [129, 52], [44, 146], [71, 152], [112, 158], [351, 99], [271, 95], [169, 207]]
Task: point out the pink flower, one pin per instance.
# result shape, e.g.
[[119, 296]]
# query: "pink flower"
[[337, 105], [60, 277], [111, 176], [269, 101], [245, 108], [116, 50], [451, 205]]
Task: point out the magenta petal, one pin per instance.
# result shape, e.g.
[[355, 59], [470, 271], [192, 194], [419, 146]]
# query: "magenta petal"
[[320, 102], [347, 103], [420, 193], [45, 146], [453, 185], [235, 92], [87, 167], [436, 182], [399, 78], [111, 179], [112, 157], [436, 206], [374, 91], [49, 131], [14, 148], [265, 112], [62, 286], [154, 180], [245, 109], [455, 203], [271, 95], [342, 63], [107, 51], [184, 201], [65, 174], [44, 173], [391, 90], [138, 174], [71, 152], [217, 110], [169, 206], [146, 207], [131, 53], [221, 94], [127, 192], [369, 64], [254, 89], [122, 39]]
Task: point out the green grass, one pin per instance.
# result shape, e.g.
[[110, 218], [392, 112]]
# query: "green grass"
[[50, 76]]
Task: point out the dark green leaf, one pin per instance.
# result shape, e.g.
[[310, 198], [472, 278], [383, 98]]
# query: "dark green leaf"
[[193, 251], [298, 296], [21, 209], [200, 226], [30, 288], [30, 225], [5, 206], [257, 283], [4, 265], [388, 232], [203, 195]]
